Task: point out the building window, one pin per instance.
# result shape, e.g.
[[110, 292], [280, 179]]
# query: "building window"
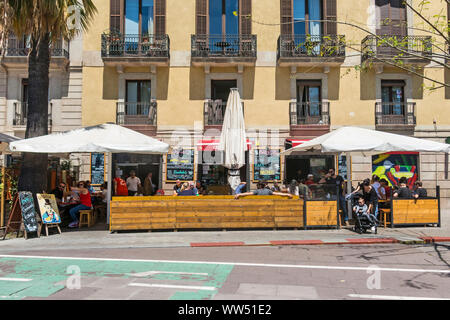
[[139, 16], [393, 97], [309, 98], [392, 17], [223, 17], [306, 14], [138, 97]]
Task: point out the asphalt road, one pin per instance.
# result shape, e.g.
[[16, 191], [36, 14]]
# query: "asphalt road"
[[369, 272]]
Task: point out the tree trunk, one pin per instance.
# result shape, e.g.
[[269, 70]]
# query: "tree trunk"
[[33, 173]]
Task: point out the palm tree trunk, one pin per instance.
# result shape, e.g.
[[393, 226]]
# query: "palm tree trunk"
[[33, 173]]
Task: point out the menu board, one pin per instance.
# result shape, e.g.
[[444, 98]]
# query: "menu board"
[[28, 211], [97, 168], [180, 165], [267, 165]]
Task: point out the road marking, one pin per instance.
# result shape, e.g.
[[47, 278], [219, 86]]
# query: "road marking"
[[242, 264], [151, 273], [15, 279], [370, 296], [171, 286]]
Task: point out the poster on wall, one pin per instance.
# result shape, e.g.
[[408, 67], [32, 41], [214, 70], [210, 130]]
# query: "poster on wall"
[[97, 168], [395, 165], [180, 165], [342, 166], [267, 165]]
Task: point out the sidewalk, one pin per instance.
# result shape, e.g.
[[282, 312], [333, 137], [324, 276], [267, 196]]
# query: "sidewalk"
[[96, 239]]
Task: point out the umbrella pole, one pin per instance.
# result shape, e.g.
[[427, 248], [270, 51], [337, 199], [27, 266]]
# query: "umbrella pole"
[[109, 190], [349, 183]]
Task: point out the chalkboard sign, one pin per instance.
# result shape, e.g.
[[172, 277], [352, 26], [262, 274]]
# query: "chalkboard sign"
[[28, 211], [180, 165], [267, 165], [97, 168]]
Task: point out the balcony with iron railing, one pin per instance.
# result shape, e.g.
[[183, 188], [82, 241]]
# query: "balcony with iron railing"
[[214, 112], [309, 119], [307, 49], [17, 51], [395, 115], [401, 49], [223, 49], [21, 113], [139, 116], [135, 49]]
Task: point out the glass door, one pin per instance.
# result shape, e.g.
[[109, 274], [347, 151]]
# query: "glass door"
[[309, 101]]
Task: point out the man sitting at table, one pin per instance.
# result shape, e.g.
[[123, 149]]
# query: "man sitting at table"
[[262, 191], [59, 192], [419, 192], [403, 192]]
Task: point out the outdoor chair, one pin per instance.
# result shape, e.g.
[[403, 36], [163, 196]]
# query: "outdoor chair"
[[87, 218]]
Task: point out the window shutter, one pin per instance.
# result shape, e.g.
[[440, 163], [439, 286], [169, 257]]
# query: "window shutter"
[[398, 17], [330, 14], [286, 17], [116, 14], [202, 17], [245, 17], [160, 17]]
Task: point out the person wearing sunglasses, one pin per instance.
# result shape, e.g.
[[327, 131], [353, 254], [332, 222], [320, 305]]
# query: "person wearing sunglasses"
[[85, 203], [59, 192]]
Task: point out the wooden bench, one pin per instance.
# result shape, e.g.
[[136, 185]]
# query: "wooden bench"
[[87, 217], [420, 212]]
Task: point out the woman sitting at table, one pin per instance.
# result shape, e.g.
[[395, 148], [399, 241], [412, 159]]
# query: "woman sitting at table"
[[186, 190], [85, 203]]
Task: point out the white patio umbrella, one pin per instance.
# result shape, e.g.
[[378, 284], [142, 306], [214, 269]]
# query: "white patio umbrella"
[[109, 138], [233, 139], [359, 141]]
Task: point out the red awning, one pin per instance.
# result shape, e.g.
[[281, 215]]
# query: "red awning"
[[296, 142], [211, 145]]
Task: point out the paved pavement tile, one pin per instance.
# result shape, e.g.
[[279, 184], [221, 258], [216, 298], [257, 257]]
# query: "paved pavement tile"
[[152, 294], [257, 289], [125, 293], [300, 292], [73, 294], [110, 283]]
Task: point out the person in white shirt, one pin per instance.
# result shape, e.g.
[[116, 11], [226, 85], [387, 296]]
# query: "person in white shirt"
[[381, 193], [133, 183]]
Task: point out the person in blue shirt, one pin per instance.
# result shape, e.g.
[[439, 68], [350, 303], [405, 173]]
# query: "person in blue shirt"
[[240, 188], [186, 190]]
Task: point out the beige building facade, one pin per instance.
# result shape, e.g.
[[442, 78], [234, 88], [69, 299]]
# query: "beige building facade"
[[165, 67]]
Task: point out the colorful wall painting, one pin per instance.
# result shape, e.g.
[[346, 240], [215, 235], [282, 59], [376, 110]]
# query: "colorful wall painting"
[[395, 165]]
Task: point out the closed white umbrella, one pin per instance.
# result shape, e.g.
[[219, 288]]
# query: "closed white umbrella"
[[233, 140], [109, 137]]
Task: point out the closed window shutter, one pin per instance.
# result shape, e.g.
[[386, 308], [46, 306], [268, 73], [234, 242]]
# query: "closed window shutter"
[[202, 17], [115, 21], [393, 19], [160, 17], [245, 16], [330, 15], [286, 17]]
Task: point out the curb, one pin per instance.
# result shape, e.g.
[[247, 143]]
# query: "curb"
[[307, 242], [435, 239]]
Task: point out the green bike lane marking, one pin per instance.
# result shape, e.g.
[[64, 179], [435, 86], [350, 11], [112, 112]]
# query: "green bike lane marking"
[[48, 275]]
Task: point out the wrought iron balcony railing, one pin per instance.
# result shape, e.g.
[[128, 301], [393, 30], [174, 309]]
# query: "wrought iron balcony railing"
[[306, 113], [321, 46], [19, 48], [393, 113], [214, 112], [150, 45], [129, 113], [21, 112], [206, 46], [396, 47]]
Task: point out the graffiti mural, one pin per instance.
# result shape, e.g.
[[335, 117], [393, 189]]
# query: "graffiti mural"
[[393, 166]]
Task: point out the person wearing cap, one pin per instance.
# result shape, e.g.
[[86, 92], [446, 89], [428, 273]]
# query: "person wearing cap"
[[310, 180]]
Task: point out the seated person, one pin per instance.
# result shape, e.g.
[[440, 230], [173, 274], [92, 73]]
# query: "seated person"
[[262, 191], [177, 187], [201, 188], [240, 187], [186, 190], [419, 192], [59, 192], [361, 209], [88, 186], [85, 203], [309, 179], [403, 192]]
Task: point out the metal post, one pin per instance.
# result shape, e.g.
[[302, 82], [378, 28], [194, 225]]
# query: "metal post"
[[2, 213], [349, 183], [109, 191]]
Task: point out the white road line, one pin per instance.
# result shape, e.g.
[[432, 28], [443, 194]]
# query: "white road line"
[[370, 296], [151, 273], [171, 286], [242, 264], [15, 279]]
